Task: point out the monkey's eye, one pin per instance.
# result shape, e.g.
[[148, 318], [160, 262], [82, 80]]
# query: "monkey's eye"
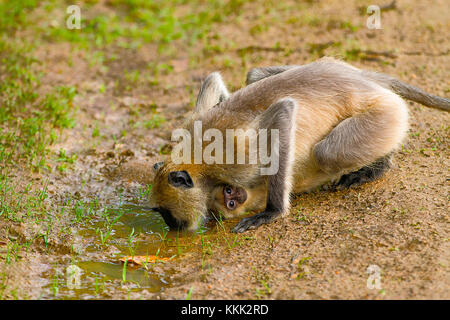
[[228, 190], [231, 204]]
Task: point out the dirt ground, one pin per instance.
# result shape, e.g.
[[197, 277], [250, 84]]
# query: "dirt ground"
[[324, 247]]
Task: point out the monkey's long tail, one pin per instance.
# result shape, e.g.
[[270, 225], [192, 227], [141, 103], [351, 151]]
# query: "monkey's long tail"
[[408, 91]]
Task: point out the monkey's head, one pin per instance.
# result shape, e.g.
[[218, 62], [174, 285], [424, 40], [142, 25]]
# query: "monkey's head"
[[184, 197], [178, 195], [232, 201]]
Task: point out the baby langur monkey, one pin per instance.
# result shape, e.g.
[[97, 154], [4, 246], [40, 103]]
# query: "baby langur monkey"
[[231, 201], [335, 123]]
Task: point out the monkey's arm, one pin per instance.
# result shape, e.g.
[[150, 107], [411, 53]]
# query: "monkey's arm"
[[281, 117], [256, 74]]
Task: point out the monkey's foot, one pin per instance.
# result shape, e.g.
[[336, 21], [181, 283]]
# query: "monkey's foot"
[[254, 222], [351, 180], [364, 175]]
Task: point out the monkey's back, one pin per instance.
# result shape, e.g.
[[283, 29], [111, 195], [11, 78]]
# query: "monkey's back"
[[325, 87], [326, 92]]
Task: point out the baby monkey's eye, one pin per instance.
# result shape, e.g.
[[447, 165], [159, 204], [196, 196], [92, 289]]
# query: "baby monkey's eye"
[[233, 197]]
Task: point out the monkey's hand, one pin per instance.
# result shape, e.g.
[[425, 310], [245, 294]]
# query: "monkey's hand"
[[255, 221], [280, 116]]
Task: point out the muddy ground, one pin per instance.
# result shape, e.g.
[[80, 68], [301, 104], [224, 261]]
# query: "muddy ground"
[[324, 247]]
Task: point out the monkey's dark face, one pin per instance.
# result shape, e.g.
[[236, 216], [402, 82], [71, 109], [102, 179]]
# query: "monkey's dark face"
[[233, 196], [178, 196]]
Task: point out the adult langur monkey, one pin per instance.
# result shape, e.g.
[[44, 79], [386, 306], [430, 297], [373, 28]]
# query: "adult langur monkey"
[[335, 123]]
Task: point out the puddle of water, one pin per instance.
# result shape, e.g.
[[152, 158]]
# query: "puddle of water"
[[100, 280], [131, 230], [123, 223], [111, 271], [142, 220]]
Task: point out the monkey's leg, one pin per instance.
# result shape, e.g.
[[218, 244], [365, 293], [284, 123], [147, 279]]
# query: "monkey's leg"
[[256, 74], [279, 116], [363, 139], [365, 174], [212, 91]]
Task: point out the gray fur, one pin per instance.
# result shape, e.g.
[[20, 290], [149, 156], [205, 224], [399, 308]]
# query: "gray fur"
[[347, 120], [354, 142], [212, 91], [256, 74], [280, 116], [408, 91], [403, 89]]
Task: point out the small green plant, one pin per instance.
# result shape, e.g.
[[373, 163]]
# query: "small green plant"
[[305, 217], [303, 270], [108, 225], [55, 285], [263, 280], [12, 251], [99, 287], [95, 132], [144, 191], [189, 294], [155, 122], [266, 291], [65, 160], [163, 234], [104, 237], [82, 210], [124, 271], [131, 239]]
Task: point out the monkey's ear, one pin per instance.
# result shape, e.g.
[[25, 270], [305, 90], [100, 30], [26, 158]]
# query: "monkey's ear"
[[158, 165], [180, 179], [212, 92]]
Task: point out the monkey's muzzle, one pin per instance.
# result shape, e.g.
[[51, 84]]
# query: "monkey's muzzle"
[[170, 220]]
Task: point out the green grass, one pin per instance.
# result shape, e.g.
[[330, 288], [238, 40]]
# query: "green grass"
[[28, 121], [264, 290], [31, 119], [13, 14], [65, 160], [34, 114], [29, 124], [155, 122], [142, 21]]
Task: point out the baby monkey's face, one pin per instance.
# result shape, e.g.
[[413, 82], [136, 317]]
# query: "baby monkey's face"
[[233, 196], [232, 201]]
